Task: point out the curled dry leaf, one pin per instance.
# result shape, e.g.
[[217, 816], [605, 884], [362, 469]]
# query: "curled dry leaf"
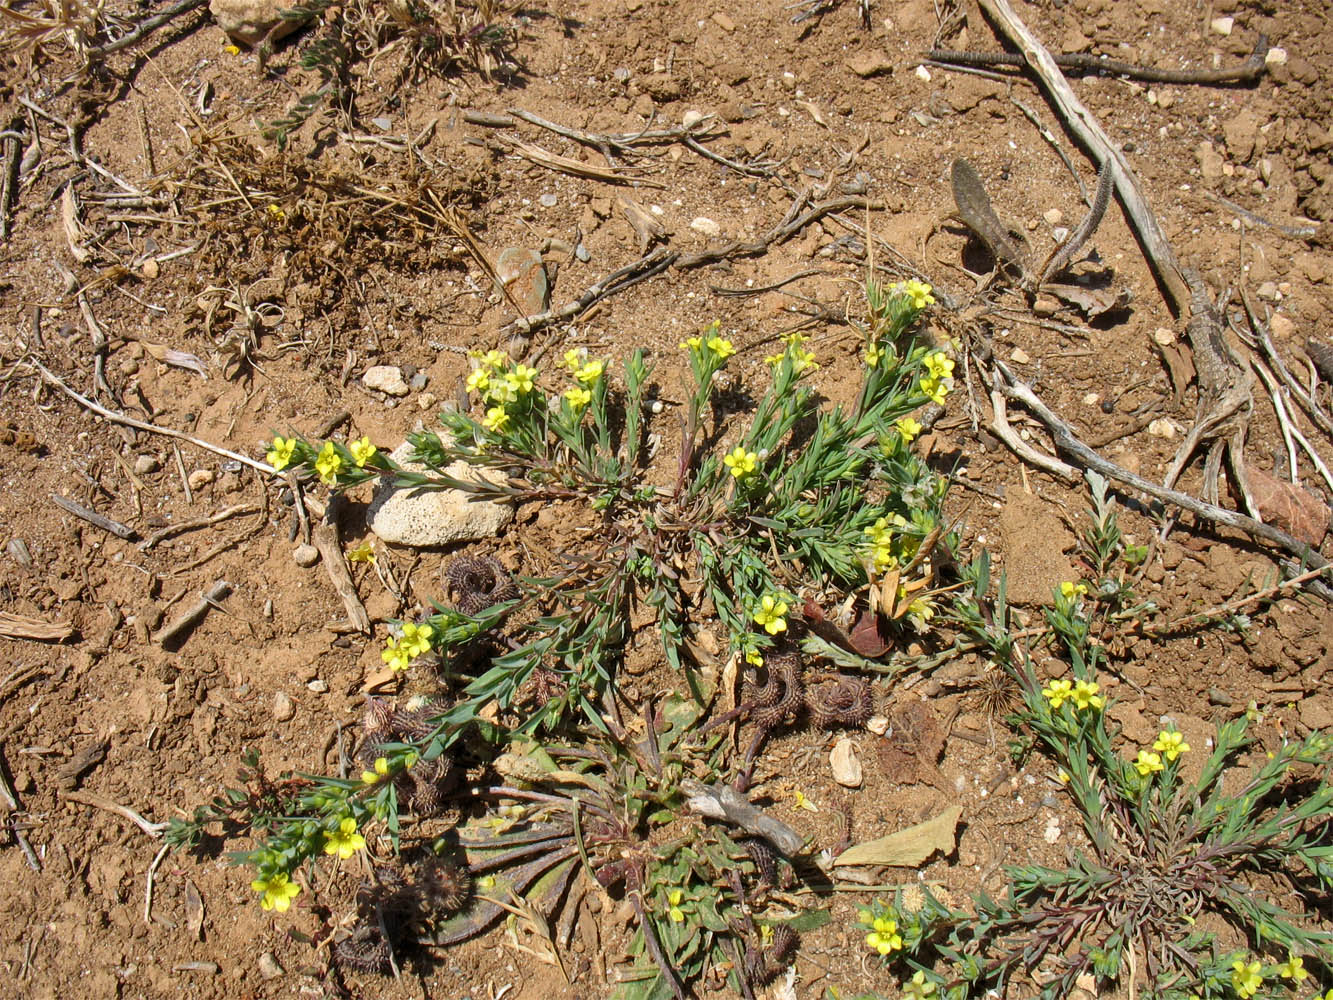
[[907, 848], [1294, 509]]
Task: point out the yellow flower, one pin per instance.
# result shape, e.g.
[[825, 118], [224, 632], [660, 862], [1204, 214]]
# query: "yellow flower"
[[573, 359], [344, 841], [691, 344], [328, 464], [919, 293], [721, 346], [873, 355], [772, 615], [1086, 696], [496, 419], [675, 913], [363, 553], [908, 429], [1062, 776], [754, 658], [1172, 744], [478, 380], [578, 398], [232, 50], [804, 803], [879, 533], [416, 639], [520, 379], [918, 987], [1147, 763], [1246, 978], [395, 656], [741, 462], [796, 338], [774, 359], [1057, 693], [362, 451], [486, 883], [277, 212], [1294, 969], [590, 372], [381, 766], [494, 360], [1073, 591], [280, 455], [278, 891], [885, 938], [801, 359], [934, 390]]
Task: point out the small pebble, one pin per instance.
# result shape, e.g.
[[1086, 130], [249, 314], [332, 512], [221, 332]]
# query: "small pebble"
[[18, 551], [283, 710], [318, 686], [268, 966], [581, 252], [426, 400], [1268, 291], [845, 765], [382, 123], [1277, 56], [1053, 216], [200, 478], [1164, 336], [548, 200], [268, 609], [1222, 25], [705, 225], [387, 379], [656, 406], [1282, 326], [1091, 399], [878, 724], [692, 118], [145, 464], [1162, 429], [419, 381], [1020, 356], [305, 556], [1059, 233], [923, 74]]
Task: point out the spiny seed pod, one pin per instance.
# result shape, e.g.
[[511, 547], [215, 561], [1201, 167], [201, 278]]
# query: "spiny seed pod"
[[477, 582], [784, 674], [365, 950], [444, 888], [763, 965], [843, 701], [765, 861]]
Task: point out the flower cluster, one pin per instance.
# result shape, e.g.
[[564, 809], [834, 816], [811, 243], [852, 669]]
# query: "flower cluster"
[[414, 641], [886, 548], [711, 342], [802, 359], [1082, 693], [917, 292], [938, 380], [501, 387], [1247, 978]]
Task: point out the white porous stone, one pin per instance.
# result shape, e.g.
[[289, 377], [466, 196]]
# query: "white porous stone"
[[705, 225], [388, 379], [428, 518]]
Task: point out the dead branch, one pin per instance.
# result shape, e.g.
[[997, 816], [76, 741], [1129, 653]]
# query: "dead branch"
[[568, 165], [99, 802], [1067, 441], [1250, 70], [145, 28], [1089, 131], [162, 534], [615, 282], [794, 222]]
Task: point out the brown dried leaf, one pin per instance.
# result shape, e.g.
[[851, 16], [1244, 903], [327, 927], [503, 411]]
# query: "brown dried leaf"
[[1179, 367], [1092, 302], [868, 637], [1296, 510], [194, 911], [907, 848]]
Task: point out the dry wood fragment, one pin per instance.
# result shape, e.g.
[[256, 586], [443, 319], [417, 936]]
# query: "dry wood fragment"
[[325, 538], [101, 802], [577, 168], [72, 771], [23, 627], [162, 534], [174, 633], [92, 517]]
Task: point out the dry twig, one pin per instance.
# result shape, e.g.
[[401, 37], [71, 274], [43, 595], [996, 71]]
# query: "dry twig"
[[192, 615]]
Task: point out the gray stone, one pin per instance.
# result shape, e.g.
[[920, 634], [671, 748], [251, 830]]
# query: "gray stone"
[[428, 518], [251, 21], [305, 556], [145, 464], [269, 967], [521, 271], [388, 379], [419, 381]]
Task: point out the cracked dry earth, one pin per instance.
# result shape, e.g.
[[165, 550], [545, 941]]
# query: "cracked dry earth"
[[332, 282]]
